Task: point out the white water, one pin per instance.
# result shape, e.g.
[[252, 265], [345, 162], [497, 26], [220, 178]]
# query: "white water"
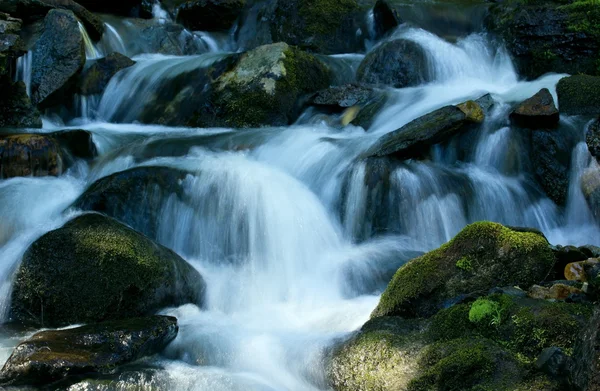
[[280, 231], [23, 73]]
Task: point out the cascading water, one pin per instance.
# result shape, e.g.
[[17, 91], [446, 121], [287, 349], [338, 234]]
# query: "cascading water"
[[91, 51], [24, 64], [281, 231]]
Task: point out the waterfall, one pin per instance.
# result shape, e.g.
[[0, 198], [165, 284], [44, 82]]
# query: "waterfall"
[[91, 51], [24, 66]]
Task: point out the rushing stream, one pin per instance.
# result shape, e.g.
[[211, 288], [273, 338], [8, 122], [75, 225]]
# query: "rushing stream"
[[275, 218]]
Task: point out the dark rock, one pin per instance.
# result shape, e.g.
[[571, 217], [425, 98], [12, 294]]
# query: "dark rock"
[[486, 102], [93, 24], [58, 56], [415, 138], [342, 97], [398, 63], [537, 112], [590, 251], [27, 10], [16, 110], [52, 355], [164, 38], [11, 44], [94, 269], [94, 79], [554, 362], [385, 18], [210, 15], [592, 138], [76, 144], [590, 185], [29, 155], [564, 256], [367, 114], [132, 196], [133, 8], [579, 95]]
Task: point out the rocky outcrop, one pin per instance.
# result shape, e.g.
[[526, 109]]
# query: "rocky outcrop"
[[58, 57], [16, 110], [579, 95], [210, 15], [95, 78], [29, 155], [52, 355], [95, 269], [537, 112], [398, 63]]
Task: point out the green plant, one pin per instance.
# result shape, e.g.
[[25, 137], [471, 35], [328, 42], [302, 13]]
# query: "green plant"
[[484, 309]]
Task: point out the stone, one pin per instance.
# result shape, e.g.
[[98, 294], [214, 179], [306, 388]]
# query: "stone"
[[579, 95], [592, 138], [95, 78], [210, 15], [555, 292], [342, 97], [576, 271], [93, 24], [385, 18], [537, 112], [16, 110], [473, 111], [590, 186], [132, 8], [29, 155]]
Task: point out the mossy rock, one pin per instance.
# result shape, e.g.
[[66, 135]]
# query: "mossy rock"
[[16, 109], [579, 95], [29, 155], [497, 255], [95, 269]]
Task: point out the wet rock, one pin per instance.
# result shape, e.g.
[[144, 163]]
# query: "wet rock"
[[554, 362], [52, 355], [16, 110], [480, 257], [27, 10], [94, 269], [398, 63], [385, 17], [537, 112], [341, 97], [164, 38], [415, 138], [93, 24], [76, 144], [576, 271], [29, 155], [486, 102], [94, 79], [592, 138], [133, 8], [564, 256], [264, 88], [58, 57], [555, 292], [473, 111], [590, 185], [367, 114], [210, 15], [579, 95], [133, 196], [11, 45], [549, 36]]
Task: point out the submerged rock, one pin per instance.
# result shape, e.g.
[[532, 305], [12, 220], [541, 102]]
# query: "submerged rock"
[[29, 155], [94, 79], [52, 355], [398, 63], [210, 15], [58, 56], [579, 95], [480, 257], [16, 110], [537, 112], [95, 269]]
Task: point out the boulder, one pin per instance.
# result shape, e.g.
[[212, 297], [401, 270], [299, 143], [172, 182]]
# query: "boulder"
[[58, 57], [134, 196], [95, 269], [93, 24], [537, 112], [398, 63], [414, 139], [27, 10], [264, 88], [480, 257], [338, 98], [210, 15], [385, 18], [29, 155], [590, 185], [592, 138], [95, 78], [16, 110], [579, 95], [550, 36], [164, 38], [76, 144], [52, 355]]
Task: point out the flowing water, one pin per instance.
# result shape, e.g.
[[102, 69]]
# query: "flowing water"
[[277, 220]]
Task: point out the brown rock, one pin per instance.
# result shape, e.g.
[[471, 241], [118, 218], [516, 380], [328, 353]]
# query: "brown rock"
[[537, 112], [555, 292], [29, 155]]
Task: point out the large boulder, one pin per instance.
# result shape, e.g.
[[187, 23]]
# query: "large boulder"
[[210, 15], [264, 88], [579, 95], [52, 355], [480, 257], [16, 110], [96, 77], [29, 155], [134, 196], [537, 112], [550, 36], [94, 269], [398, 63], [592, 138], [93, 24], [58, 57]]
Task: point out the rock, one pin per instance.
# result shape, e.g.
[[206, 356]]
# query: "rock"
[[590, 186], [473, 111], [58, 57], [590, 250], [415, 138], [578, 271], [480, 257], [93, 24], [210, 15], [564, 256], [341, 97], [537, 112], [398, 63], [16, 110], [95, 269], [554, 362], [579, 95], [94, 79], [52, 355], [385, 18], [367, 114], [263, 88], [164, 38], [133, 8], [29, 155], [592, 138], [76, 144], [555, 292], [11, 45], [27, 10], [133, 196], [550, 36]]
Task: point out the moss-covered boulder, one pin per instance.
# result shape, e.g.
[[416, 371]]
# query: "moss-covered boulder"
[[480, 257], [29, 155], [537, 112], [96, 77], [210, 15], [264, 88], [398, 63], [579, 95], [95, 269], [52, 355], [16, 110]]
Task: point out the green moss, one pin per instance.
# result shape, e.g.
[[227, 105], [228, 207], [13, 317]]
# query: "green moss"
[[484, 310], [325, 16], [465, 264], [451, 323]]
